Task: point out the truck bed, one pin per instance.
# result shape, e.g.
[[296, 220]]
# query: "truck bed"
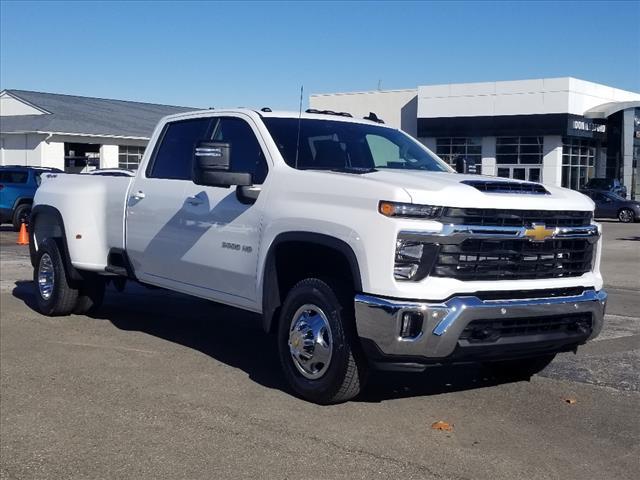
[[93, 209]]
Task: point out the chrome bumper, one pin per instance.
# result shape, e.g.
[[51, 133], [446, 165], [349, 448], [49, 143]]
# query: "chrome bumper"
[[379, 320]]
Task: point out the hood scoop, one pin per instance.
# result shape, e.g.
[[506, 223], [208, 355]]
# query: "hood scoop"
[[496, 186]]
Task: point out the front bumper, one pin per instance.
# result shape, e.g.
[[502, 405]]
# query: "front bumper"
[[438, 340]]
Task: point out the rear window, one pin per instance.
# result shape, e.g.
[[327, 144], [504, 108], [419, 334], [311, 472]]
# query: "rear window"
[[14, 177]]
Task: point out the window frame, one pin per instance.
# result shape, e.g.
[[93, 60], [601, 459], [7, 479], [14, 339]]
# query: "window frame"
[[215, 120], [156, 148], [459, 142], [220, 118], [123, 150]]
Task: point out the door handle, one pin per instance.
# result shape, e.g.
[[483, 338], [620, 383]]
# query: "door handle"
[[195, 201], [139, 195]]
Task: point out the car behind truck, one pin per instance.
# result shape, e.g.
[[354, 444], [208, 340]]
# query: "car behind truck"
[[358, 247]]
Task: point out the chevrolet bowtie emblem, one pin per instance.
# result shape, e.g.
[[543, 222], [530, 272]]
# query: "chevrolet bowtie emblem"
[[539, 232]]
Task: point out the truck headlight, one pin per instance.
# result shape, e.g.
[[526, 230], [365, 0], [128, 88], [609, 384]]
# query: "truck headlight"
[[408, 210], [413, 260]]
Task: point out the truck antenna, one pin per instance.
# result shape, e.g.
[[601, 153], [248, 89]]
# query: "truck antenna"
[[299, 122]]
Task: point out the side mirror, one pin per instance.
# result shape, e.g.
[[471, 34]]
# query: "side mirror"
[[211, 165], [248, 195]]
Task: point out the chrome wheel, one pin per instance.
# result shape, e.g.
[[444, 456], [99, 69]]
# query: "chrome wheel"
[[46, 279], [625, 215], [310, 341]]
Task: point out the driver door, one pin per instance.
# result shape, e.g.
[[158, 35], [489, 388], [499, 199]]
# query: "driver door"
[[221, 262]]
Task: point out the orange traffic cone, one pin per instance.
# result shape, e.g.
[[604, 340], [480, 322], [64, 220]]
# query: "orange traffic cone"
[[23, 236]]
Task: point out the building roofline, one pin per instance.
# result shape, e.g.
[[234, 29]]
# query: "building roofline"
[[11, 91], [364, 92], [76, 134], [27, 102]]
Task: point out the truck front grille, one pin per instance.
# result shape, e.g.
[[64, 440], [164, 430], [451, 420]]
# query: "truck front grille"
[[514, 218], [487, 331], [483, 259]]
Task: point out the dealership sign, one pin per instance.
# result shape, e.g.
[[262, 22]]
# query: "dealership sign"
[[589, 126], [584, 127]]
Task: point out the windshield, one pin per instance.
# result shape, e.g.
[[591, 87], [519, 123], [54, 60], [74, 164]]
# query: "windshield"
[[335, 145]]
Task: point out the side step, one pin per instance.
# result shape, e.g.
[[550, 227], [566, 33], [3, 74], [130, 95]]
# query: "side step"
[[117, 270], [119, 264]]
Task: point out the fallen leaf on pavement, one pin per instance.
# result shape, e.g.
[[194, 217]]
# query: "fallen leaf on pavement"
[[444, 426]]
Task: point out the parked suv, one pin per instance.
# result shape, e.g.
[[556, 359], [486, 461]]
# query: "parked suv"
[[611, 185], [18, 185]]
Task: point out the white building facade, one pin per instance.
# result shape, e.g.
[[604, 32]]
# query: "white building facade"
[[559, 131], [75, 134]]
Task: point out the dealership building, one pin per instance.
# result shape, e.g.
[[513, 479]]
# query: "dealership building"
[[560, 131], [75, 134]]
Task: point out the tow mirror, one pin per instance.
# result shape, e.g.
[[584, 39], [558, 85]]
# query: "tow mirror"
[[211, 165]]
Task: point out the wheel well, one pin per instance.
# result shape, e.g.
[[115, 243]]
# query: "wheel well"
[[46, 222], [290, 261], [45, 225]]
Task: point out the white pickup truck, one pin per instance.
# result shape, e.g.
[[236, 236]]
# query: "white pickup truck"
[[357, 245]]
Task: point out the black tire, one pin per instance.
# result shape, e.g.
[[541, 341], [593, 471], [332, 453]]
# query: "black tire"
[[347, 369], [626, 215], [20, 214], [62, 298], [520, 369], [90, 296]]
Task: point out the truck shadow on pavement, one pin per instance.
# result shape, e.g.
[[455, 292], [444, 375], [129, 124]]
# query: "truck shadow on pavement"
[[234, 337]]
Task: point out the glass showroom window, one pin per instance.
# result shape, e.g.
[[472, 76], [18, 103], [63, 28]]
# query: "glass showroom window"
[[519, 158], [129, 157], [449, 149], [578, 162]]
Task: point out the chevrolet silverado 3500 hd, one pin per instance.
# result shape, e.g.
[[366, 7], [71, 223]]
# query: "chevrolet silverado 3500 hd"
[[357, 245]]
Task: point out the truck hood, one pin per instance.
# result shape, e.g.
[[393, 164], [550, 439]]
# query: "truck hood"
[[446, 189]]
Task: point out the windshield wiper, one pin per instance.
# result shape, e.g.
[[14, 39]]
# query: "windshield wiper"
[[356, 170]]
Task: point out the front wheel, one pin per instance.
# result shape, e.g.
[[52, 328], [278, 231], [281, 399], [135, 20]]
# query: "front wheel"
[[54, 294], [626, 215], [317, 343]]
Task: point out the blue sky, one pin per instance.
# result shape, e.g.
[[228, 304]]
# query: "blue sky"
[[255, 54]]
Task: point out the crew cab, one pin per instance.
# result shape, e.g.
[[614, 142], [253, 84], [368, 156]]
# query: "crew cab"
[[359, 247]]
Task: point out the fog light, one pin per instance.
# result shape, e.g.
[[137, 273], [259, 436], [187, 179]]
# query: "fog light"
[[411, 325]]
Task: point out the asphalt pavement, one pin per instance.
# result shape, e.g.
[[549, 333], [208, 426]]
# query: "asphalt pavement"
[[160, 385]]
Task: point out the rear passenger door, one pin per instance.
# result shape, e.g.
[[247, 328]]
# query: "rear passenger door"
[[158, 234]]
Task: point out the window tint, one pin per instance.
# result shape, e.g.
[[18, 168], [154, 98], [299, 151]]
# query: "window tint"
[[336, 145], [14, 177], [246, 154], [383, 150], [173, 158]]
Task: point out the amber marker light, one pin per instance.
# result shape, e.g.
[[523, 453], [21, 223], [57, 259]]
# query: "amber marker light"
[[408, 210], [386, 208]]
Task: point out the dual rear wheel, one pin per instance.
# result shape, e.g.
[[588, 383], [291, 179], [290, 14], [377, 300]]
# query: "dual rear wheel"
[[56, 293]]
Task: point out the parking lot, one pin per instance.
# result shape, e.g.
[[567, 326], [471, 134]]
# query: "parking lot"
[[159, 385]]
